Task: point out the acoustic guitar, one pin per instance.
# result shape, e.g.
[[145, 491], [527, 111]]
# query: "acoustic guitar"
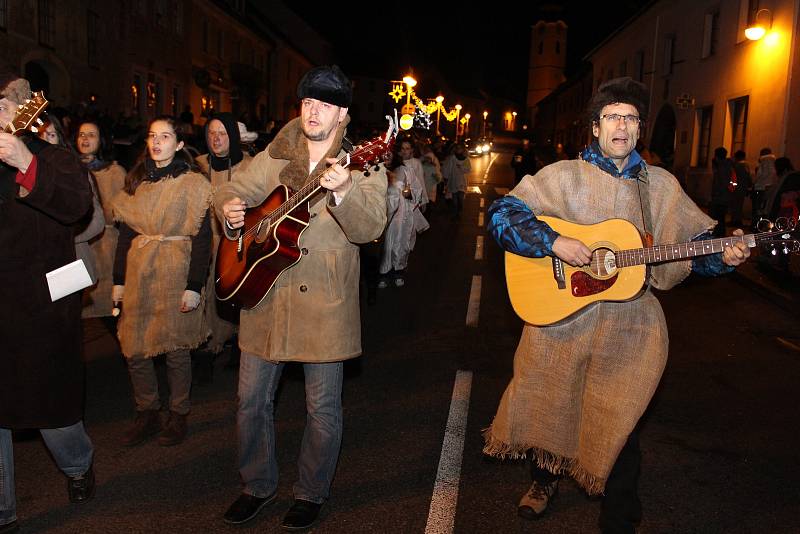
[[268, 243], [546, 290], [27, 115]]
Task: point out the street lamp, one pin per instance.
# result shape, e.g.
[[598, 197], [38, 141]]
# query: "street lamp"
[[466, 125], [439, 100], [458, 112], [485, 114], [513, 121], [410, 83]]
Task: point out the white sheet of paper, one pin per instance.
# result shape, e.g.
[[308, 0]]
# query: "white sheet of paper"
[[68, 279]]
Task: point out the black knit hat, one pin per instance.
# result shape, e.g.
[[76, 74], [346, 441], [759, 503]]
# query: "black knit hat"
[[328, 84], [624, 90]]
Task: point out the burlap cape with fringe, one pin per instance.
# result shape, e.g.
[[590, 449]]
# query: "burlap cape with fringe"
[[165, 214], [581, 385], [222, 328], [97, 299]]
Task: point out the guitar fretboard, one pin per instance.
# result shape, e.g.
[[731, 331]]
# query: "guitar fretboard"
[[660, 253]]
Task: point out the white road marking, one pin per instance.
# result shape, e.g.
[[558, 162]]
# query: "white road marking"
[[479, 248], [474, 305], [480, 218], [482, 200], [501, 190], [486, 173], [474, 189], [441, 516]]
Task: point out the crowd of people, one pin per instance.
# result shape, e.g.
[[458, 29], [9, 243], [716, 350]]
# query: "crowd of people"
[[148, 238]]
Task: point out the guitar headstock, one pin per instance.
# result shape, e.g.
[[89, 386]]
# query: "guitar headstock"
[[27, 115], [782, 236], [373, 151]]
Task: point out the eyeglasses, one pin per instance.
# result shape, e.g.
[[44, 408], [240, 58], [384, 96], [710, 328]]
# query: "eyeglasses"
[[163, 137], [612, 118]]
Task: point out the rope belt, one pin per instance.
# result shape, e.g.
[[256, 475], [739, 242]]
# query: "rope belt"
[[144, 239]]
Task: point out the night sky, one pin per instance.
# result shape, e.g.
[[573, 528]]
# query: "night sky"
[[474, 48]]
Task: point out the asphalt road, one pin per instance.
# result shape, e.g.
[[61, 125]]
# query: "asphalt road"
[[719, 440]]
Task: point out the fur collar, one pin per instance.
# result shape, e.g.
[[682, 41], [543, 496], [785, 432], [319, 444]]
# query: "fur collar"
[[290, 144]]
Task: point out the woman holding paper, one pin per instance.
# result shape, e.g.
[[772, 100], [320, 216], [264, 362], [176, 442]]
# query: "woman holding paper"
[[110, 179], [160, 268]]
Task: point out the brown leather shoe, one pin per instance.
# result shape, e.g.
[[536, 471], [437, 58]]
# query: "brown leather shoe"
[[146, 424], [174, 432]]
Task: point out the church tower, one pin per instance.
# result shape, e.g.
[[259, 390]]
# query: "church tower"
[[547, 60]]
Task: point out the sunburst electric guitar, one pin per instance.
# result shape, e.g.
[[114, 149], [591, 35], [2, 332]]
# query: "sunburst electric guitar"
[[268, 243], [546, 290]]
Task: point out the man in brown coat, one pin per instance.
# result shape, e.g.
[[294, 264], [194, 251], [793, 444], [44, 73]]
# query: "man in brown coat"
[[311, 315], [43, 193]]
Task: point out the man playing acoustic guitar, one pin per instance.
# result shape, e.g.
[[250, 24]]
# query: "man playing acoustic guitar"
[[311, 315], [580, 385]]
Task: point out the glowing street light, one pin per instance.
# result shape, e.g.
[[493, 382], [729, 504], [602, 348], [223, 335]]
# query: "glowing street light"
[[760, 25], [458, 112], [466, 124], [410, 84], [485, 114], [514, 121], [439, 100]]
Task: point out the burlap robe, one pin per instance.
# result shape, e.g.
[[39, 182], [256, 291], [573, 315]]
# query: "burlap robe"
[[221, 329], [97, 299], [166, 214], [580, 386]]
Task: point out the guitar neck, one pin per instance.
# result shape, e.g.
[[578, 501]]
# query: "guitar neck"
[[303, 194], [680, 251]]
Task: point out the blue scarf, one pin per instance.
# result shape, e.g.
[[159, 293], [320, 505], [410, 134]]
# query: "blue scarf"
[[592, 154]]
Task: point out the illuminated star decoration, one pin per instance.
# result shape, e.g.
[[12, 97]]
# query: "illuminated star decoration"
[[397, 92], [422, 118]]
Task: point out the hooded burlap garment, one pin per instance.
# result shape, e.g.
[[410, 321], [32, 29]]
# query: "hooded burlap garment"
[[165, 214], [580, 386]]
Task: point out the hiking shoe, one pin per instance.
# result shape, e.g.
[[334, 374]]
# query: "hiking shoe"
[[174, 432], [399, 282], [534, 503], [146, 424]]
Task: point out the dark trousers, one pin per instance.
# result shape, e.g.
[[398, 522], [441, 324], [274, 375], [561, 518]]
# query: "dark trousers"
[[620, 510], [718, 212]]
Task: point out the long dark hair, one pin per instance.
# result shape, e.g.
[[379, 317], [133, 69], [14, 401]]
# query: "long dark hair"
[[139, 171], [103, 149]]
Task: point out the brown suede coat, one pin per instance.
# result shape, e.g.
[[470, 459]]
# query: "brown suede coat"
[[312, 312]]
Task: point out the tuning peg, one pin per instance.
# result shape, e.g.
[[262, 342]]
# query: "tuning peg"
[[34, 129], [19, 106], [785, 249], [40, 122], [774, 252], [377, 167], [366, 173]]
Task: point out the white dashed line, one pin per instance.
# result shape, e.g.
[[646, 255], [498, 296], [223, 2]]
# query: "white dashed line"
[[474, 189], [474, 305], [482, 201], [480, 218], [479, 248], [441, 517]]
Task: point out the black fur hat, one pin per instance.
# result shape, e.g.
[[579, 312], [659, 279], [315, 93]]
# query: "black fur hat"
[[624, 90], [328, 84]]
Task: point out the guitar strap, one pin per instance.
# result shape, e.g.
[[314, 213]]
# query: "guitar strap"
[[642, 185]]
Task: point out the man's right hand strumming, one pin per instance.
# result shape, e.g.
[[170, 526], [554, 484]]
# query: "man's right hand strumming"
[[233, 210], [572, 251]]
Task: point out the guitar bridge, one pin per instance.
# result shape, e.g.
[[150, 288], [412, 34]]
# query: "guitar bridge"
[[558, 273]]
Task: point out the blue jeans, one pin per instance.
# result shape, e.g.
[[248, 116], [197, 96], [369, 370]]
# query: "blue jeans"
[[71, 448], [322, 438]]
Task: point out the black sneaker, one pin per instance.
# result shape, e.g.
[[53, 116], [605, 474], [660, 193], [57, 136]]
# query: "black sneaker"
[[302, 515], [246, 507], [81, 488]]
